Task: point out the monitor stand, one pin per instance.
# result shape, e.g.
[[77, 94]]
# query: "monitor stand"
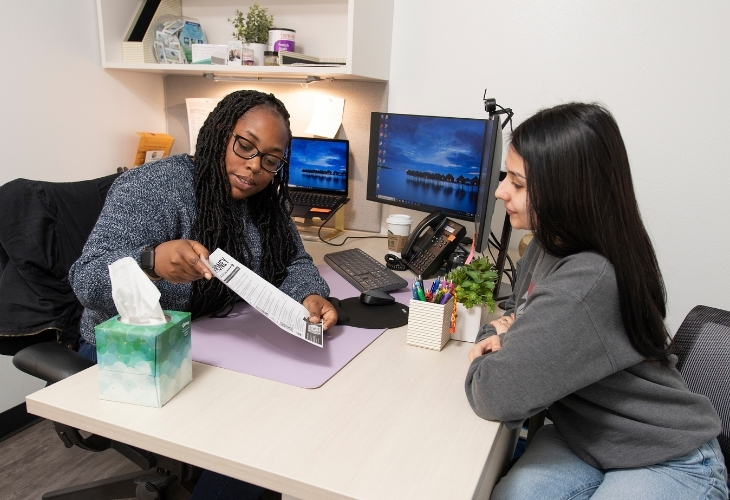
[[309, 228], [503, 290]]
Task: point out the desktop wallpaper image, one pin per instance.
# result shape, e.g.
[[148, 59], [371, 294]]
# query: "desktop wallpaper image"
[[431, 160], [318, 164]]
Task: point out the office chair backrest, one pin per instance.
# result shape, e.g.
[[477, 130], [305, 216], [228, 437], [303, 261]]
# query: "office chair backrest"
[[42, 232], [703, 349]]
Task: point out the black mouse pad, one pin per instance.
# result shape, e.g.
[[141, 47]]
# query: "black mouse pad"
[[352, 312]]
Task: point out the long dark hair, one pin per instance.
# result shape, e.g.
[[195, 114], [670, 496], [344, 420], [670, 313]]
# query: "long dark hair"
[[218, 223], [581, 197]]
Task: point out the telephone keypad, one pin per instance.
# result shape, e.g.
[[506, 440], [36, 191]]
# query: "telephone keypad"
[[428, 260]]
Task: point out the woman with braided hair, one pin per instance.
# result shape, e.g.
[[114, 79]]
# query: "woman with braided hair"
[[231, 195]]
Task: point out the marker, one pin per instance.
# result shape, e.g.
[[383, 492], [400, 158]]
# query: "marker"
[[419, 289], [435, 285], [445, 298]]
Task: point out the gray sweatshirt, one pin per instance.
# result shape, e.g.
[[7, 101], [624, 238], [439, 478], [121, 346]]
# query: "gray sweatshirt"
[[568, 351]]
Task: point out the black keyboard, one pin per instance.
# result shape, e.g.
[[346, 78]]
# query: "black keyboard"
[[363, 272], [316, 199]]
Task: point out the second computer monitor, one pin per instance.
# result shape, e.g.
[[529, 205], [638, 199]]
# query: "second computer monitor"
[[319, 164], [430, 163]]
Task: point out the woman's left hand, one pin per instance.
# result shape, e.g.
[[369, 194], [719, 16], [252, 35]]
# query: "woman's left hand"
[[502, 324], [490, 344], [319, 307]]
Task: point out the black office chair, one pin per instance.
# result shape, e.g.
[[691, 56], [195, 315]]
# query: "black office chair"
[[42, 232], [703, 352], [37, 247], [703, 349]]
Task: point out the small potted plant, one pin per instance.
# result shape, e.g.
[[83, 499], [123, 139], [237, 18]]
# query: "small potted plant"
[[253, 30], [473, 286]]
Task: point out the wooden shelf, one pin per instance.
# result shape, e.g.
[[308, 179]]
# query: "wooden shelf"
[[339, 73], [359, 30]]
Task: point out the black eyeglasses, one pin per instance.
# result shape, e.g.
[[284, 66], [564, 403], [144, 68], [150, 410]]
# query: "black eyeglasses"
[[246, 150]]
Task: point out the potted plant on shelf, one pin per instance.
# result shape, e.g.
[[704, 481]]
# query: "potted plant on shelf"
[[253, 30], [473, 287]]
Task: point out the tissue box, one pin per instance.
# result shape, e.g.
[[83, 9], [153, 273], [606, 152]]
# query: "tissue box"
[[145, 365]]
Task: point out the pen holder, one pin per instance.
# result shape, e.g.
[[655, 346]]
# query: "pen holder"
[[429, 323]]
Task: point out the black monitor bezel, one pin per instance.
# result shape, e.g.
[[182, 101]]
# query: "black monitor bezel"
[[420, 207], [488, 183]]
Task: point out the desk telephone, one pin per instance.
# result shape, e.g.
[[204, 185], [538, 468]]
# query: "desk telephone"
[[431, 243]]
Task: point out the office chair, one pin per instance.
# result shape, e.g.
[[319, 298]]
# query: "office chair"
[[37, 247], [42, 232], [703, 349]]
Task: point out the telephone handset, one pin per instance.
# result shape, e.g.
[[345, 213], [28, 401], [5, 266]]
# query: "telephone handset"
[[430, 244]]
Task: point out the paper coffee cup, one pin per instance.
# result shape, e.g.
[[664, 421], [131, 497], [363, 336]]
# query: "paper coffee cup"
[[399, 227]]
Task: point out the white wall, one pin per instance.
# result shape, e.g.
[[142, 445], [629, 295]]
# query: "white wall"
[[660, 67], [64, 118]]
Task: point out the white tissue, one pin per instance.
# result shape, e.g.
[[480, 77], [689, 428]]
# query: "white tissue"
[[136, 297]]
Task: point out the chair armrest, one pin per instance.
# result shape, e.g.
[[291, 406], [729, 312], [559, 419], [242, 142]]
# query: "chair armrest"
[[50, 361]]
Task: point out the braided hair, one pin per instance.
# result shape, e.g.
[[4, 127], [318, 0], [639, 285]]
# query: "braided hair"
[[219, 223]]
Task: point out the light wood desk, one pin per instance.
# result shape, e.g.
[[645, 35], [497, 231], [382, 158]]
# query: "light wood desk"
[[392, 424]]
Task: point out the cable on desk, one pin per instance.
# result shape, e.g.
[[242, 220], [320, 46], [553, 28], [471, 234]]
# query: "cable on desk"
[[319, 232]]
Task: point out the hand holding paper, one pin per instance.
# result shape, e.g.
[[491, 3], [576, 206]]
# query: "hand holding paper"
[[181, 261], [320, 310], [282, 310]]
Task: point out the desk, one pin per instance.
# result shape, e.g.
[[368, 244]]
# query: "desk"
[[392, 424]]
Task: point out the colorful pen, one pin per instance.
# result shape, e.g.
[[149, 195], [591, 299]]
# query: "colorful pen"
[[435, 285]]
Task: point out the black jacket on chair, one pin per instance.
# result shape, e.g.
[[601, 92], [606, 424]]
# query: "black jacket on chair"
[[43, 228]]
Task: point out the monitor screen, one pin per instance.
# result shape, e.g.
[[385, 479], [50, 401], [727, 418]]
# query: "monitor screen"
[[427, 163], [319, 164]]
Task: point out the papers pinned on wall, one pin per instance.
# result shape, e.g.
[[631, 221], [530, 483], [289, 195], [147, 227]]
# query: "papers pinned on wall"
[[152, 147], [327, 116], [198, 110]]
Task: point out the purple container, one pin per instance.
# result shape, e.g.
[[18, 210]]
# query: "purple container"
[[281, 39]]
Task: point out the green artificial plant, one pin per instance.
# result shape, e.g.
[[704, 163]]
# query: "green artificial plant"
[[254, 28], [474, 283]]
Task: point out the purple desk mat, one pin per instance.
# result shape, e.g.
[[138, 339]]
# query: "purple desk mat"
[[245, 341]]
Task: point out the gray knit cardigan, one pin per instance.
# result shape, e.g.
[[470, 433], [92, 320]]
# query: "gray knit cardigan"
[[149, 205]]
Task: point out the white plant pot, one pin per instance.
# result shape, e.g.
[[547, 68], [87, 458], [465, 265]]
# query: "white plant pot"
[[258, 52], [468, 322]]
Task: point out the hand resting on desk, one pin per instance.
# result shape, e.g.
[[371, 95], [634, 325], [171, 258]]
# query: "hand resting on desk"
[[492, 344]]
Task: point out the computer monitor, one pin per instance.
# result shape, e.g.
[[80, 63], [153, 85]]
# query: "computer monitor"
[[488, 182], [431, 163], [319, 165]]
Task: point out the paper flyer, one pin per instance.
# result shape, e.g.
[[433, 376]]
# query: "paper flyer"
[[327, 116], [198, 110], [278, 307]]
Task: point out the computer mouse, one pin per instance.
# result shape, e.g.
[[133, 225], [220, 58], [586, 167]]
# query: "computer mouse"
[[376, 298]]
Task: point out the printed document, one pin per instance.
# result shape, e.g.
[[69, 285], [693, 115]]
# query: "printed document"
[[198, 110], [327, 116], [282, 310]]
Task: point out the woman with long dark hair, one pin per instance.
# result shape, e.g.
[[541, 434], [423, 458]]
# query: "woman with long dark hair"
[[231, 195], [584, 333]]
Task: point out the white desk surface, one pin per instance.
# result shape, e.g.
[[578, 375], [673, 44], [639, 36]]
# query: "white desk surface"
[[392, 424]]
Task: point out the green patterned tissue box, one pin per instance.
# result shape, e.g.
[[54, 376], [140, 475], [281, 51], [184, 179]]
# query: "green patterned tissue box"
[[145, 365]]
